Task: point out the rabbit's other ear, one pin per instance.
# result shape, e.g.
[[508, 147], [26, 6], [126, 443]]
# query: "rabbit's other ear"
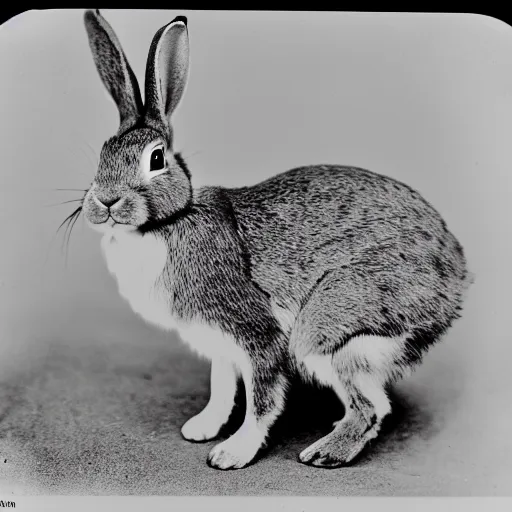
[[166, 73], [114, 69]]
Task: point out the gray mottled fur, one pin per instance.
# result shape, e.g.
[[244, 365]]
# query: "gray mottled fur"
[[392, 265], [343, 251]]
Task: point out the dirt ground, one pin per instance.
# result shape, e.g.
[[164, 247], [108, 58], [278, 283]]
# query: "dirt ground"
[[103, 416]]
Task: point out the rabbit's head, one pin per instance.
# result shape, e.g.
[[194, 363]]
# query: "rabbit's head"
[[139, 181]]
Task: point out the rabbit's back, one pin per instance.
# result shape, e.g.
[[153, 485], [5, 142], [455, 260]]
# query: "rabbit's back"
[[310, 221]]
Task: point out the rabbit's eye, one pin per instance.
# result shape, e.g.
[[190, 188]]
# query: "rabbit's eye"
[[157, 160]]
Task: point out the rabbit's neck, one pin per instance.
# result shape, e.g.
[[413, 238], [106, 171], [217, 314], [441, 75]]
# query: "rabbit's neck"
[[137, 262]]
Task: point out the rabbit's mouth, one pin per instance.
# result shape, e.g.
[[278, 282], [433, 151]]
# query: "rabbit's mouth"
[[106, 212], [111, 225]]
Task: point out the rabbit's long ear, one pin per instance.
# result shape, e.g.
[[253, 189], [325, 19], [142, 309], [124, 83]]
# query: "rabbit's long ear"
[[166, 73], [114, 69]]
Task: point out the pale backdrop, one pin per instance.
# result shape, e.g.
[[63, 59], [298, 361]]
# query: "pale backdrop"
[[426, 99]]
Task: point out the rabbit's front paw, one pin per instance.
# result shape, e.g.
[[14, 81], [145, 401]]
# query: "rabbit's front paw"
[[202, 427], [237, 451]]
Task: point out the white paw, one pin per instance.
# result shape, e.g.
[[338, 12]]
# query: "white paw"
[[202, 427], [237, 451]]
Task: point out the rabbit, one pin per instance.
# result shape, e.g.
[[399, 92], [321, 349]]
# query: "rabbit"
[[333, 274]]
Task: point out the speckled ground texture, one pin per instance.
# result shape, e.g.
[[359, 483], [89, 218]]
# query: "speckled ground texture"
[[102, 415]]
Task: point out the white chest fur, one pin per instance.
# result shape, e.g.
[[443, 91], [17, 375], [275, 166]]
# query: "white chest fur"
[[137, 262]]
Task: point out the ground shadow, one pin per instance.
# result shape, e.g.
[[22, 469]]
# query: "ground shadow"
[[311, 411]]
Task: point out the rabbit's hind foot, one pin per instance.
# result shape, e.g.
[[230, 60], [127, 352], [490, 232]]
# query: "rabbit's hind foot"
[[358, 373], [360, 424]]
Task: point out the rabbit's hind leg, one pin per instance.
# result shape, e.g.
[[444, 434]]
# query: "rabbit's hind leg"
[[359, 381], [331, 343]]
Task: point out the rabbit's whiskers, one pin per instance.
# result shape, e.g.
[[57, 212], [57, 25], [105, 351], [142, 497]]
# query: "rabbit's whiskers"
[[81, 200], [69, 223], [72, 189]]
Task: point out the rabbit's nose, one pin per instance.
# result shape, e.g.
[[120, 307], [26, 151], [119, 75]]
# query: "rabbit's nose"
[[108, 202]]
